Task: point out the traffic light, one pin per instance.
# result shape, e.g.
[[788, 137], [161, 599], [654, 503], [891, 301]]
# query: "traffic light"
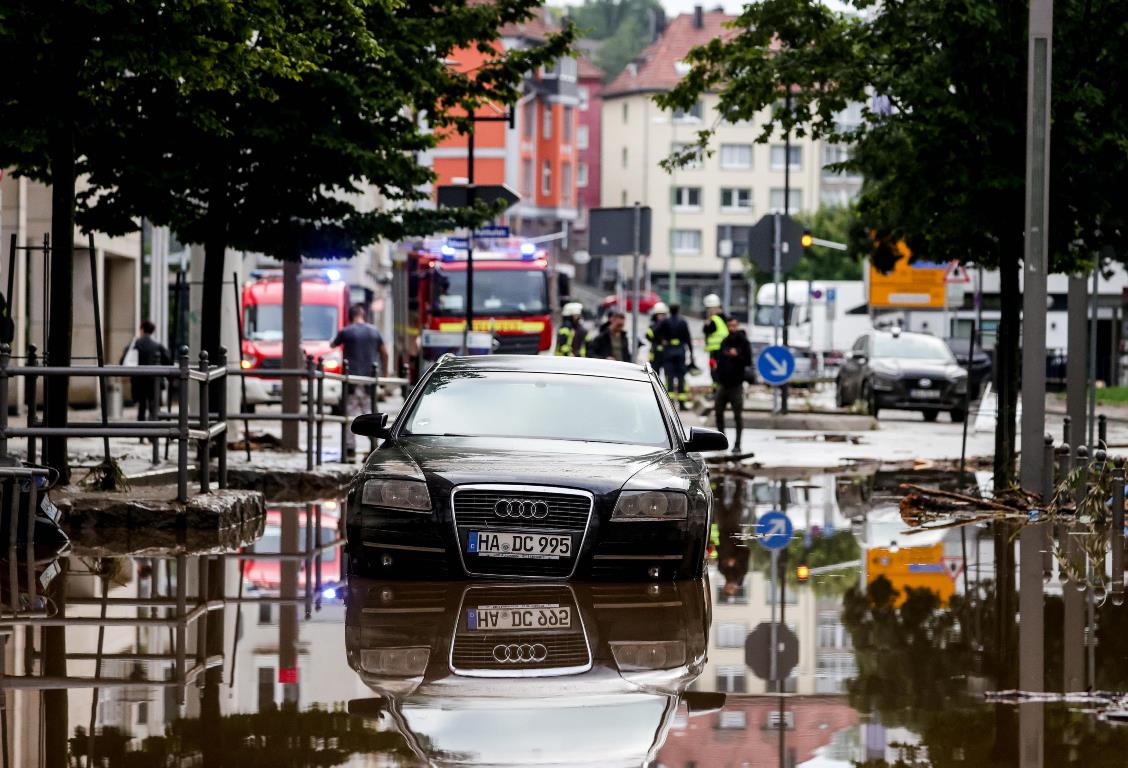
[[807, 239], [802, 572]]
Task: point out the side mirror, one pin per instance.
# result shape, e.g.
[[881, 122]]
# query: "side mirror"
[[702, 703], [370, 709], [858, 357], [371, 425], [702, 439]]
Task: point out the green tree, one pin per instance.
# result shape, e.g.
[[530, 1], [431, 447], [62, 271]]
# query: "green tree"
[[832, 223], [942, 143], [623, 26]]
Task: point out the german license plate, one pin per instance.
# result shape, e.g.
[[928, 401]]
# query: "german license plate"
[[504, 544], [508, 617], [925, 394]]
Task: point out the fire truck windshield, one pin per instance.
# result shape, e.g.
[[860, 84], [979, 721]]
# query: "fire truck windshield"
[[496, 292], [263, 322]]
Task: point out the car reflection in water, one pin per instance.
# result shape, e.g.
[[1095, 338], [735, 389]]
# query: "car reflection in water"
[[526, 674]]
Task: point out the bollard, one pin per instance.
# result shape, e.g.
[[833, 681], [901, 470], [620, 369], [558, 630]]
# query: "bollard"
[[344, 410], [1102, 431], [182, 426], [1047, 499], [1116, 534], [320, 407], [1066, 429], [1048, 474], [222, 409], [311, 375], [32, 395], [5, 359], [205, 418]]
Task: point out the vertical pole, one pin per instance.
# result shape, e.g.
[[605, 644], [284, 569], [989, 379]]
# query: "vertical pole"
[[311, 378], [32, 392], [5, 359], [374, 400], [777, 266], [1036, 261], [344, 408], [1077, 332], [1116, 535], [98, 347], [221, 407], [785, 320], [784, 390], [775, 633], [469, 242], [1047, 499], [204, 424], [967, 406], [321, 407], [1094, 301], [182, 427], [726, 284], [1102, 431], [242, 377], [636, 285], [181, 614], [317, 541]]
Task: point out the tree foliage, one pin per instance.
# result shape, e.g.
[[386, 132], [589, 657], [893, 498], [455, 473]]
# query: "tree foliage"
[[623, 26], [941, 145]]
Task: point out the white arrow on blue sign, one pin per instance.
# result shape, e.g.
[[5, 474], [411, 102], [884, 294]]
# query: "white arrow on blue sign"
[[773, 530], [776, 365]]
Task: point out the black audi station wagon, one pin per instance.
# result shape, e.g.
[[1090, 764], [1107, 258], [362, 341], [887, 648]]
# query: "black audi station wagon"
[[533, 467]]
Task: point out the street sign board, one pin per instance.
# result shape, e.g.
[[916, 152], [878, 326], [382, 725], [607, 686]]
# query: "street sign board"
[[612, 231], [761, 242], [758, 651], [458, 195], [775, 365], [460, 243], [492, 232], [916, 285], [773, 530]]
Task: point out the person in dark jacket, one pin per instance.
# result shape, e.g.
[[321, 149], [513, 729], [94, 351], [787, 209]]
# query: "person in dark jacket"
[[146, 389], [612, 343], [674, 333], [733, 359]]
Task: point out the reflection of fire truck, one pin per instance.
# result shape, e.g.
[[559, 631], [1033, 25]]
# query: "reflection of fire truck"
[[513, 297]]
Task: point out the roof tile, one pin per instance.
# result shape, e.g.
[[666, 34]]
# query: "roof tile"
[[656, 70]]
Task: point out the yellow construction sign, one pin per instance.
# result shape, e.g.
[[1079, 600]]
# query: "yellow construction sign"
[[921, 285], [916, 567]]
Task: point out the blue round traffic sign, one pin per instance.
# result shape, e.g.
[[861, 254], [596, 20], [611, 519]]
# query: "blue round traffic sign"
[[773, 530], [776, 365]]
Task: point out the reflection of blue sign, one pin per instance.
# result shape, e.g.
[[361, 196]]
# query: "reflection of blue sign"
[[775, 365], [773, 530], [492, 232]]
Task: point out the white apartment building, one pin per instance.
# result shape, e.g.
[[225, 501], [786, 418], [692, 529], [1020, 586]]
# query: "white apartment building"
[[718, 198]]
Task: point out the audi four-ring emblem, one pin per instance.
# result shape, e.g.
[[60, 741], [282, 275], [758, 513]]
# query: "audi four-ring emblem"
[[526, 509], [515, 653]]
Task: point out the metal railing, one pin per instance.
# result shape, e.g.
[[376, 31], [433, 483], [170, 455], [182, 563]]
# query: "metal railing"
[[188, 427]]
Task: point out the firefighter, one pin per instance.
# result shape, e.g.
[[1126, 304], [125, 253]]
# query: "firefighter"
[[674, 332], [571, 336], [654, 339], [715, 330]]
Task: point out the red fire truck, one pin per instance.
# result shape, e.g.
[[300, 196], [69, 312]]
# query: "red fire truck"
[[513, 297]]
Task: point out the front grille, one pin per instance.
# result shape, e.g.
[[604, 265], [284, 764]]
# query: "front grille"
[[518, 344], [476, 652], [478, 508], [270, 363]]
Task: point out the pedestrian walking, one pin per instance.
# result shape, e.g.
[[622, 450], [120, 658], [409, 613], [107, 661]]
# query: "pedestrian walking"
[[146, 390], [654, 340], [612, 342], [674, 331], [734, 358], [572, 334], [362, 344], [715, 330]]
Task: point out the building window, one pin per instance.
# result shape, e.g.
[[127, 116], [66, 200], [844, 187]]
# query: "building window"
[[833, 154], [731, 680], [527, 180], [528, 119], [794, 202], [687, 241], [731, 635], [546, 178], [566, 183], [732, 720], [693, 164], [795, 156], [736, 156], [582, 175], [626, 111], [569, 117], [265, 688], [687, 198], [693, 115], [585, 98], [582, 136], [836, 198], [264, 613], [547, 126], [736, 199], [624, 157]]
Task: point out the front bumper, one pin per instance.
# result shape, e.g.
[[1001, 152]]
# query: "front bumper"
[[907, 394], [387, 543]]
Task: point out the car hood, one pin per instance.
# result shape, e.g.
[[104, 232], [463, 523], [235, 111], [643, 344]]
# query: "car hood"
[[935, 369], [596, 467]]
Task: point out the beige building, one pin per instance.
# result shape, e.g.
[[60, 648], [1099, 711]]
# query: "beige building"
[[697, 208]]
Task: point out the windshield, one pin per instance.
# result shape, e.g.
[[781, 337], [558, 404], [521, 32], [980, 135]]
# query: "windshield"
[[496, 292], [911, 347], [543, 406], [263, 322], [766, 314], [610, 734]]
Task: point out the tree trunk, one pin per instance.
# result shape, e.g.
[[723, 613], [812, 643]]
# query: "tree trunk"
[[1007, 364], [215, 256], [291, 348], [61, 315], [211, 715]]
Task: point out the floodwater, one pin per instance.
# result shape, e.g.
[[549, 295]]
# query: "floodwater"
[[897, 650]]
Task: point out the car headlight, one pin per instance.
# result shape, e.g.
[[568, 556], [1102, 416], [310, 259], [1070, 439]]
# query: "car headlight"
[[651, 505], [884, 383], [395, 662], [410, 495], [655, 654]]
